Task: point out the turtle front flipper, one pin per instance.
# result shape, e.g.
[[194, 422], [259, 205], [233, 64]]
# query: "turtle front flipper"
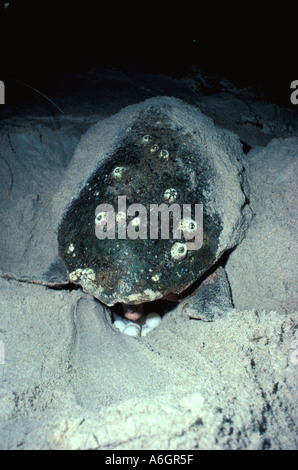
[[56, 273]]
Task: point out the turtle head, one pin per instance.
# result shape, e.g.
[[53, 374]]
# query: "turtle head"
[[132, 312]]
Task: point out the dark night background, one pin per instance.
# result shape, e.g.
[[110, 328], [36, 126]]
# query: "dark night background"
[[41, 44]]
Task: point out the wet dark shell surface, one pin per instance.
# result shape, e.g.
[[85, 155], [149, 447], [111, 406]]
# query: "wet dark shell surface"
[[152, 159]]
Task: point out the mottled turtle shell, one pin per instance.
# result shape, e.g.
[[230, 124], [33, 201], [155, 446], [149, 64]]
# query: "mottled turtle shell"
[[153, 164]]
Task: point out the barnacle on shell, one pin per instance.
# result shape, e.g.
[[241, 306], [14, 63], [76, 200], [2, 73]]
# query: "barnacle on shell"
[[146, 139], [179, 251]]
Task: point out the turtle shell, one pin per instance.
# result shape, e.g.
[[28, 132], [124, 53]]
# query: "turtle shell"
[[155, 163]]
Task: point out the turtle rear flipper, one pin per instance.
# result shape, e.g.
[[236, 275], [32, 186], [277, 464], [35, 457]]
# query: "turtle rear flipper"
[[211, 299], [56, 273]]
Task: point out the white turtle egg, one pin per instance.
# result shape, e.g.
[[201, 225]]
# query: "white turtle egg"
[[153, 320], [146, 330], [132, 329], [120, 325]]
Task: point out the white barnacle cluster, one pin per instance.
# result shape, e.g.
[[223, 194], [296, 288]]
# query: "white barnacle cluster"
[[136, 222], [82, 274], [148, 323], [179, 251], [101, 216], [118, 172], [88, 275], [155, 148], [170, 195], [188, 225], [76, 275], [121, 216], [71, 248], [164, 154], [73, 277], [146, 139]]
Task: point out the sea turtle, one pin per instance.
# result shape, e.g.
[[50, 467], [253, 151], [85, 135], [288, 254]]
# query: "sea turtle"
[[160, 152]]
